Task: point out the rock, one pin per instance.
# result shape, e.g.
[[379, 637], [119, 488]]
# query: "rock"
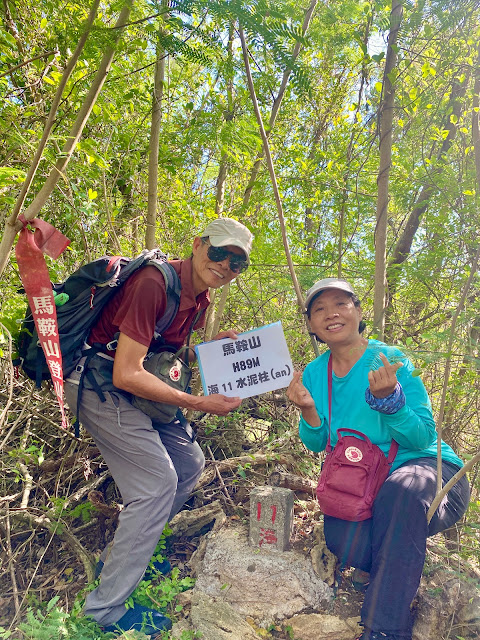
[[268, 587], [197, 556], [179, 629], [217, 620], [184, 599], [323, 560], [445, 601], [324, 563], [316, 626], [469, 614]]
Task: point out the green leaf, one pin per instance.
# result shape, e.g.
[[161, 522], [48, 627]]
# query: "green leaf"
[[10, 174], [7, 39], [392, 76], [52, 602]]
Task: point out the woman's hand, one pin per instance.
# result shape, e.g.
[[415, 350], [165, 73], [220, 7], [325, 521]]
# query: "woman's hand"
[[384, 380], [300, 395]]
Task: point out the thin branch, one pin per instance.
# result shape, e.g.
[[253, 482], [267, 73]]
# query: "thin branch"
[[385, 127], [271, 169], [114, 237], [13, 225], [277, 102], [24, 469], [448, 365], [22, 64], [60, 529], [11, 563], [473, 270], [220, 479], [4, 413], [37, 414], [220, 309], [231, 464], [441, 494], [53, 111]]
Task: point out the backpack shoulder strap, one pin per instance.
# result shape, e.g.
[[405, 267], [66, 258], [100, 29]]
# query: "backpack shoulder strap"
[[173, 288]]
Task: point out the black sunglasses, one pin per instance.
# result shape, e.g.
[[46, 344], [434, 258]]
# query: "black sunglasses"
[[238, 263]]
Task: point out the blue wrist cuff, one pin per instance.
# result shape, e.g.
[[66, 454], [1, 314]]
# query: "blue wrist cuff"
[[391, 404]]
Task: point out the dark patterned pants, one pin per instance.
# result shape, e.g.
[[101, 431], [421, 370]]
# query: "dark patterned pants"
[[391, 545]]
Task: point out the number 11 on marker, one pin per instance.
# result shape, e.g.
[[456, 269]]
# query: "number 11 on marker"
[[227, 387]]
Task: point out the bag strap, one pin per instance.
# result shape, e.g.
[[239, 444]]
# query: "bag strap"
[[392, 453], [187, 346], [173, 288], [86, 373], [197, 317], [330, 380]]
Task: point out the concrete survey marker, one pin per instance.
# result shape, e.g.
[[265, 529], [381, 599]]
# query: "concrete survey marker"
[[271, 518]]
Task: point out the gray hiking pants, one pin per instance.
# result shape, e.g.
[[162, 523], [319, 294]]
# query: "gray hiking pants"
[[155, 470]]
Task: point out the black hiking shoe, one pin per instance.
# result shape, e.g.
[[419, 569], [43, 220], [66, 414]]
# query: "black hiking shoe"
[[150, 622]]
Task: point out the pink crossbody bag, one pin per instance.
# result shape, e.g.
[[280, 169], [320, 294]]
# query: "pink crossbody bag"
[[353, 471]]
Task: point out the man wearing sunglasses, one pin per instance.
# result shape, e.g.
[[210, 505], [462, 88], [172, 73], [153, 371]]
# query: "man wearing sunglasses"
[[155, 466]]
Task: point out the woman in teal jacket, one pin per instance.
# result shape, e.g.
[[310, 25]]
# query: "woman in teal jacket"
[[374, 391]]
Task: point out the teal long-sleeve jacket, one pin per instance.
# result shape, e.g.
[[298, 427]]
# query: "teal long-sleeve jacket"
[[413, 426]]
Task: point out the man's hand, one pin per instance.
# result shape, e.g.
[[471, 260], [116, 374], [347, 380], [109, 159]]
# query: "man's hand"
[[129, 374], [384, 380], [218, 404], [233, 335]]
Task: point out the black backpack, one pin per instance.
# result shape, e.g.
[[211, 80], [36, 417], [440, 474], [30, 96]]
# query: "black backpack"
[[87, 292]]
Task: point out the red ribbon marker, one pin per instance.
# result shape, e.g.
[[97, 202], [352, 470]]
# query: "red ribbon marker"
[[36, 282]]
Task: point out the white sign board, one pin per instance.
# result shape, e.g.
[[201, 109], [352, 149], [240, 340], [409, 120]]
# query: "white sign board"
[[256, 362]]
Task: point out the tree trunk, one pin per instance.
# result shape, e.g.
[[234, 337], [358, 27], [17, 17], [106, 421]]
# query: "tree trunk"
[[153, 147], [473, 270], [276, 105], [221, 180], [402, 248], [271, 170], [53, 110], [385, 124], [12, 225], [346, 175]]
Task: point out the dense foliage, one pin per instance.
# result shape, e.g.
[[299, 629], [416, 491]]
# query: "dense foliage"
[[323, 125]]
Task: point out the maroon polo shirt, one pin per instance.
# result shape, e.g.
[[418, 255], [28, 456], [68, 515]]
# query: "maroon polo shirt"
[[141, 303]]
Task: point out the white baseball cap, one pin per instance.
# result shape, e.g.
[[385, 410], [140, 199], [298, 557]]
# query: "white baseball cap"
[[327, 283], [224, 231]]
